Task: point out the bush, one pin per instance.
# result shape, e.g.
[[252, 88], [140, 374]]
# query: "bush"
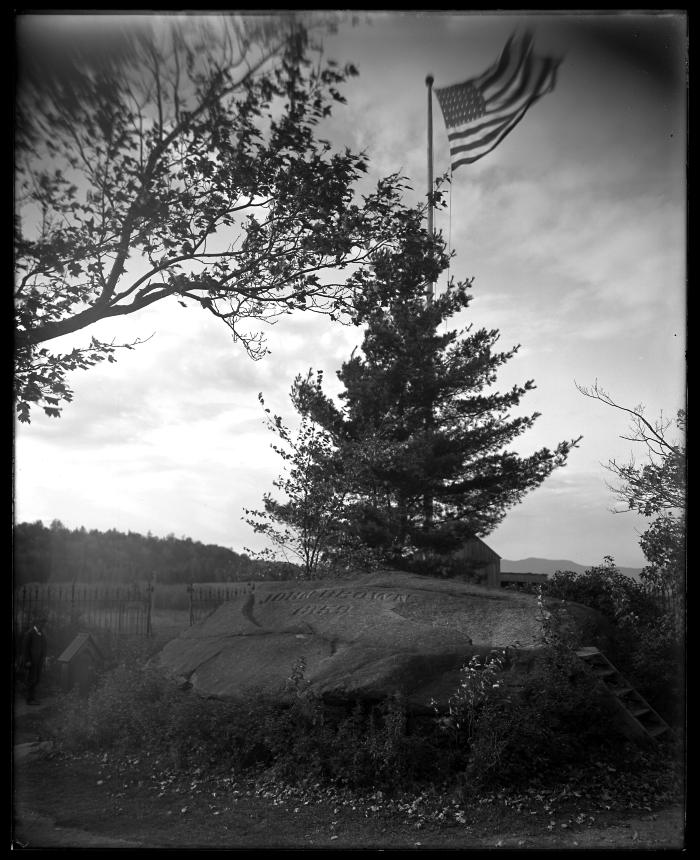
[[497, 731], [492, 731], [135, 710], [122, 713], [646, 647], [605, 589], [360, 745]]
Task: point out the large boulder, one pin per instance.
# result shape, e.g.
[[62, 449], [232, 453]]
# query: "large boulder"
[[361, 637]]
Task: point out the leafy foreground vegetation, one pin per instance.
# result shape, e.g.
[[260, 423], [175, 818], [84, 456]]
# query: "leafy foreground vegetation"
[[523, 744], [95, 800], [548, 752], [648, 645], [156, 798]]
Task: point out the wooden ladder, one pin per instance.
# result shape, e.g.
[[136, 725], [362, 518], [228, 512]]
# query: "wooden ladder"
[[641, 718]]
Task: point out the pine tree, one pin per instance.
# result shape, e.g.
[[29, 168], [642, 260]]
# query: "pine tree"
[[420, 432]]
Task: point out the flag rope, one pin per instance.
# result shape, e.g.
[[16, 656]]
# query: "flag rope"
[[449, 232]]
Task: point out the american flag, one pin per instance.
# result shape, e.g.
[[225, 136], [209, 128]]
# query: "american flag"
[[480, 112]]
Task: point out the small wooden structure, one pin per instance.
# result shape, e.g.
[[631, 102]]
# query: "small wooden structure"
[[640, 719], [80, 663], [480, 562]]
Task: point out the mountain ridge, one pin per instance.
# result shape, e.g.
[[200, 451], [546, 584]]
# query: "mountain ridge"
[[550, 566]]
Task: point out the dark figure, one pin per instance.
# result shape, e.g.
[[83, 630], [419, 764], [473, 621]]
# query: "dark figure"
[[33, 656]]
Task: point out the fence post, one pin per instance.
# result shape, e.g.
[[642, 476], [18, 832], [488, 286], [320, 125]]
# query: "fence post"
[[190, 592], [149, 605]]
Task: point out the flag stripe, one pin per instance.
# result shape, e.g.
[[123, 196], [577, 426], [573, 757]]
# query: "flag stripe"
[[506, 122], [498, 71], [534, 74], [519, 87], [480, 112], [495, 139], [513, 66], [544, 84]]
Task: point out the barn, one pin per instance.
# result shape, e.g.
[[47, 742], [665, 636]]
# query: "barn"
[[477, 562]]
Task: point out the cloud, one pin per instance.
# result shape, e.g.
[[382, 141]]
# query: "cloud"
[[574, 228]]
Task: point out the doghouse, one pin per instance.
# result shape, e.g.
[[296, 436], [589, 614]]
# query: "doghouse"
[[80, 663]]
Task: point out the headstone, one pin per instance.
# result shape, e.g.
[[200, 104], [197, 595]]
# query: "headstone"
[[362, 637]]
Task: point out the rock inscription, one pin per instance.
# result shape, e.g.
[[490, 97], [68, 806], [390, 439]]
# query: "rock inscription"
[[325, 593], [335, 595]]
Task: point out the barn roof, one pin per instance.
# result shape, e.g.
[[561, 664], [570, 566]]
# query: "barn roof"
[[482, 544]]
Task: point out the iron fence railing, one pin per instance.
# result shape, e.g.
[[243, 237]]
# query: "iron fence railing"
[[117, 609]]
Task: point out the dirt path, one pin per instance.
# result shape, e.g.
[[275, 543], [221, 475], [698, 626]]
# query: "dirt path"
[[60, 805], [38, 831], [663, 829]]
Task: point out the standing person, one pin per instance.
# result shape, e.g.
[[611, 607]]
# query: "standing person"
[[33, 656]]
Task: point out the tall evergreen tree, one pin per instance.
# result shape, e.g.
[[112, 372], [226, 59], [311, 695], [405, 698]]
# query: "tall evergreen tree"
[[421, 432]]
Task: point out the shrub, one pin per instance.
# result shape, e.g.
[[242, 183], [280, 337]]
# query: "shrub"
[[122, 712], [646, 646], [377, 746], [361, 745], [479, 679], [497, 731], [605, 589], [557, 719], [491, 731]]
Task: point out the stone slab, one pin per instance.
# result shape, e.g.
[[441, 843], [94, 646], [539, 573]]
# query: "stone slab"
[[365, 636]]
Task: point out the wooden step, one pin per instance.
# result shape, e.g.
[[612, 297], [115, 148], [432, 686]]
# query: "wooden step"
[[620, 691], [637, 712], [657, 730], [640, 716], [632, 697], [650, 718], [588, 651], [604, 672]]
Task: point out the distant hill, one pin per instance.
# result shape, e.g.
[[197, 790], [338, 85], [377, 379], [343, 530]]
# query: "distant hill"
[[57, 554], [550, 566]]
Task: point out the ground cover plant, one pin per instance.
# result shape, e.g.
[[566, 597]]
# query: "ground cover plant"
[[493, 735], [208, 781], [101, 800], [540, 760]]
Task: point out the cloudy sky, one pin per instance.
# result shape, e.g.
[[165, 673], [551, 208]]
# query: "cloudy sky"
[[574, 230]]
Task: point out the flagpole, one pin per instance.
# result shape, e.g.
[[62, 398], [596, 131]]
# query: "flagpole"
[[428, 499], [430, 291]]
